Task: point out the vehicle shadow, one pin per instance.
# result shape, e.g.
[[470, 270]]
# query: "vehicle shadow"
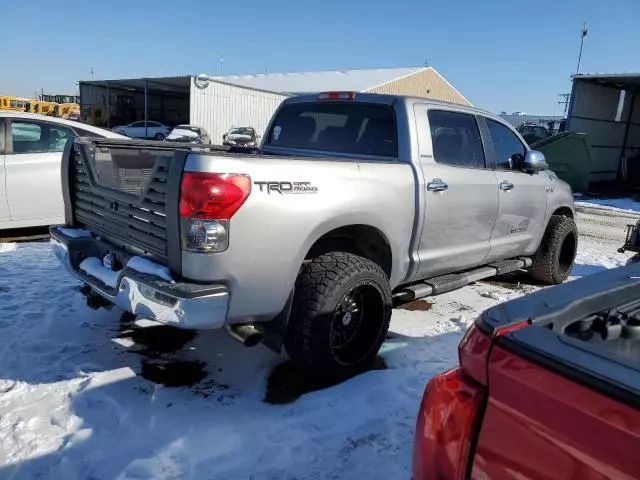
[[582, 270], [116, 424]]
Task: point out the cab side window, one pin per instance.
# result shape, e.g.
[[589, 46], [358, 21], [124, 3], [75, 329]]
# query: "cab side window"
[[508, 148], [456, 139]]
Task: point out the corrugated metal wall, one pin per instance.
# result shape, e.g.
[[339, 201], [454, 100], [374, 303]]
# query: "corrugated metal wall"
[[593, 112], [219, 106], [426, 83]]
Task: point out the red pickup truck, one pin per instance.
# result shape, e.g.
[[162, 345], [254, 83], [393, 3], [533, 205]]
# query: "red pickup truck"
[[548, 387]]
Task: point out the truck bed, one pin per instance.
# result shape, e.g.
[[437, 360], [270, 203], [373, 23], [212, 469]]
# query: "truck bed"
[[563, 383], [588, 330]]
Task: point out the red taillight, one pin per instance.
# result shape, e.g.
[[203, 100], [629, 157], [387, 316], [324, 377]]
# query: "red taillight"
[[337, 96], [446, 422], [212, 196], [207, 202], [473, 354]]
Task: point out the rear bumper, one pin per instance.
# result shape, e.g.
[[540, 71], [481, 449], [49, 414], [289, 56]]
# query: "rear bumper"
[[179, 304]]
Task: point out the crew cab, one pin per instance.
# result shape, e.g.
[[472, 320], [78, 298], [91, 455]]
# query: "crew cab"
[[353, 200], [548, 387]]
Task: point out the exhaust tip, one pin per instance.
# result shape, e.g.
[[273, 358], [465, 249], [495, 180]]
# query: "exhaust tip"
[[253, 340], [246, 334]]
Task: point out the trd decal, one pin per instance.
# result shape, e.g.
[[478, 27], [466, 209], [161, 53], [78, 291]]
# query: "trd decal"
[[286, 187]]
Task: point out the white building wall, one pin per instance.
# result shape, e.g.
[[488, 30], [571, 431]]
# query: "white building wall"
[[219, 106]]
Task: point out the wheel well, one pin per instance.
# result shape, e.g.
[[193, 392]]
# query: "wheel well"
[[564, 212], [362, 240]]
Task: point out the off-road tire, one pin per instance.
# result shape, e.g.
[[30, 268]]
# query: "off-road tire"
[[553, 261], [320, 287]]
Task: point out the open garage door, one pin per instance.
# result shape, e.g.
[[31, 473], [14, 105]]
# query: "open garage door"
[[112, 103], [607, 109]]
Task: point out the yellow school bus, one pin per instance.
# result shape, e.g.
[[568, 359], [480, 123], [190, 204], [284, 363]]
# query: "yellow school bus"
[[42, 108], [15, 104]]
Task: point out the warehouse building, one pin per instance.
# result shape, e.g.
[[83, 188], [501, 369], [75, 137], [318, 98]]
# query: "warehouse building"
[[423, 82], [214, 105], [218, 103], [607, 108]]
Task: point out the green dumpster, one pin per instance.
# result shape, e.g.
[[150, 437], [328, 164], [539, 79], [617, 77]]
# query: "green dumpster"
[[569, 155]]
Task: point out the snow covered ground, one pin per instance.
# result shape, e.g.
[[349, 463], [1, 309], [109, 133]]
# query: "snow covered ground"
[[74, 405], [624, 204]]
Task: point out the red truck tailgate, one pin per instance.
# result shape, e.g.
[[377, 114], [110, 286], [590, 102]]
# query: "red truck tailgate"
[[540, 425]]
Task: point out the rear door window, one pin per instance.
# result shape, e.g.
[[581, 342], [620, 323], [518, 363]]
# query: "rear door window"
[[349, 128], [456, 139], [38, 137]]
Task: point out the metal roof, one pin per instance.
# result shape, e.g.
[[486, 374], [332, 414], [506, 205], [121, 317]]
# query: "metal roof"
[[310, 82], [628, 81]]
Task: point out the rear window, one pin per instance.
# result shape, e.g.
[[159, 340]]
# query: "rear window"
[[351, 128], [191, 128]]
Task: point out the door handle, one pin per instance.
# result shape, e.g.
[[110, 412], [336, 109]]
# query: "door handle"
[[506, 186], [437, 185]]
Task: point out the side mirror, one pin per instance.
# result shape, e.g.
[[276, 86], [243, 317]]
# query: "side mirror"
[[534, 161]]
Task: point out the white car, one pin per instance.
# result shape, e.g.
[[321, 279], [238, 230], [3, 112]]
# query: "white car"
[[153, 130], [30, 154]]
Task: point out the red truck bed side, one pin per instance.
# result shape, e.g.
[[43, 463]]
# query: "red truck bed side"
[[547, 387], [540, 425]]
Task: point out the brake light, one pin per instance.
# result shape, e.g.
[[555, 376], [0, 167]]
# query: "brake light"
[[212, 196], [207, 203], [446, 424], [337, 96], [512, 327]]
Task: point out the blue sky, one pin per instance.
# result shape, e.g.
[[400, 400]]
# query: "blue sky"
[[501, 54]]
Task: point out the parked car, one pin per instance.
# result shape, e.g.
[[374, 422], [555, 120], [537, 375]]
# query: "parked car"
[[548, 386], [152, 130], [30, 152], [189, 134], [243, 137], [355, 199]]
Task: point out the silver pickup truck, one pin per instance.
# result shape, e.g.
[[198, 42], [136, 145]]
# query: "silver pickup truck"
[[354, 200]]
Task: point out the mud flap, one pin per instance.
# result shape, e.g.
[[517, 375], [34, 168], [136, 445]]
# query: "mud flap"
[[273, 331]]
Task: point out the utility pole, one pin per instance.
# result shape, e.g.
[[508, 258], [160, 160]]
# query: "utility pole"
[[221, 63], [583, 33], [564, 101], [566, 96]]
